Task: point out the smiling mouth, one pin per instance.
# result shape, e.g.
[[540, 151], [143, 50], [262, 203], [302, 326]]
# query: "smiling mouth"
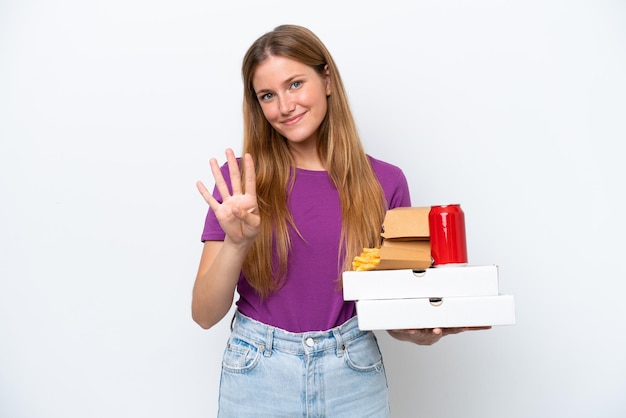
[[293, 119]]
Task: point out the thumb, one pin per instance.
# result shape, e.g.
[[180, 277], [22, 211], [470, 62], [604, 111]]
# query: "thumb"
[[241, 214]]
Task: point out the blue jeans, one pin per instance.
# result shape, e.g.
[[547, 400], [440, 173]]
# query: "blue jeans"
[[269, 372]]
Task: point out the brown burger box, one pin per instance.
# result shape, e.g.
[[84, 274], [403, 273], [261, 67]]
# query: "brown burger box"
[[406, 223], [406, 243]]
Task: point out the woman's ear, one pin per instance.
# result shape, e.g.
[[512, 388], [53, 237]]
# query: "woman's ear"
[[327, 80]]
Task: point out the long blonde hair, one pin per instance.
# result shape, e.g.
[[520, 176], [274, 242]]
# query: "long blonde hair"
[[339, 146]]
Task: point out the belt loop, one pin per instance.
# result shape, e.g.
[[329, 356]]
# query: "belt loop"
[[269, 340], [340, 345]]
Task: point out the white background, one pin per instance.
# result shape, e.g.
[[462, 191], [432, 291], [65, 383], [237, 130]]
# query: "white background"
[[110, 110]]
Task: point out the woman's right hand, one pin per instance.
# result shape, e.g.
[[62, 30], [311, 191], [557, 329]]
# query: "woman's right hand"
[[238, 213]]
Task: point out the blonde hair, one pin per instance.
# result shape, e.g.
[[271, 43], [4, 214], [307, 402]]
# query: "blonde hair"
[[339, 147]]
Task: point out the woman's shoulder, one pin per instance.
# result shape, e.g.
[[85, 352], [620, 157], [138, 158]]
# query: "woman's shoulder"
[[383, 167], [393, 182]]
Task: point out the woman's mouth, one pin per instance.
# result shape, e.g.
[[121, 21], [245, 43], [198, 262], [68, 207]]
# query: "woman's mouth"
[[292, 120]]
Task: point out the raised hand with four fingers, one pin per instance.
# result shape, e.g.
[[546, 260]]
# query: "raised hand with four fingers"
[[238, 213]]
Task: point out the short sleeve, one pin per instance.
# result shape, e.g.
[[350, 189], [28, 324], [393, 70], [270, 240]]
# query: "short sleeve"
[[394, 183]]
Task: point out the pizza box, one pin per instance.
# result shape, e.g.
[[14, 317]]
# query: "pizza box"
[[438, 282], [475, 311]]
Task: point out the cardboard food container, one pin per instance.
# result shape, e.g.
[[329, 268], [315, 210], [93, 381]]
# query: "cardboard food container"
[[386, 314], [406, 243], [479, 280], [406, 223], [404, 255]]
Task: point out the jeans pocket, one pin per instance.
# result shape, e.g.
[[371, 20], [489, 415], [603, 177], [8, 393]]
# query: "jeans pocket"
[[240, 356], [363, 354]]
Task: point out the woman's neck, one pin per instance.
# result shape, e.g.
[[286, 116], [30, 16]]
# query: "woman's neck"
[[305, 156]]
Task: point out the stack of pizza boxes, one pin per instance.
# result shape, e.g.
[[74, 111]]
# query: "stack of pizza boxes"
[[404, 291]]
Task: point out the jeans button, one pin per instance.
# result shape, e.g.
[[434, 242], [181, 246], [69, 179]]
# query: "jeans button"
[[309, 342]]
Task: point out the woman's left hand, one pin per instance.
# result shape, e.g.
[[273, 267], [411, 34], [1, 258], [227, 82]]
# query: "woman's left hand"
[[429, 336]]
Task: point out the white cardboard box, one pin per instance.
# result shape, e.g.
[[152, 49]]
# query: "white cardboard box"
[[426, 313], [432, 282]]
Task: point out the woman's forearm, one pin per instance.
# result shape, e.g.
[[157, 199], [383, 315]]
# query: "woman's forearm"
[[216, 281]]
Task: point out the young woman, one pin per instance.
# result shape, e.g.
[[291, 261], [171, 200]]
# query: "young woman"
[[285, 220]]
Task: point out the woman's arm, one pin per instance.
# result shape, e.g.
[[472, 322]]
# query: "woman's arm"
[[216, 281], [221, 261]]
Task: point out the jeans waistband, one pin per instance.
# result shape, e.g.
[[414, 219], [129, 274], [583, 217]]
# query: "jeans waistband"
[[295, 343]]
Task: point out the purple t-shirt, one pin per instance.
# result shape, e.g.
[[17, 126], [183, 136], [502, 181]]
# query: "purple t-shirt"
[[311, 298]]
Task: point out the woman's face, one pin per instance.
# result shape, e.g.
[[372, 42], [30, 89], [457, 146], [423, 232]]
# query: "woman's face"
[[293, 97]]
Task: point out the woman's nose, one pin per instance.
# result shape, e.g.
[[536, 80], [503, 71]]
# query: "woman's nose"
[[287, 105]]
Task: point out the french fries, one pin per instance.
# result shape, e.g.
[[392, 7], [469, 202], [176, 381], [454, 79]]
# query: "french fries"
[[367, 260]]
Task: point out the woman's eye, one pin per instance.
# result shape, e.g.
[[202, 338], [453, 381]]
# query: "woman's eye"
[[296, 84], [265, 97]]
